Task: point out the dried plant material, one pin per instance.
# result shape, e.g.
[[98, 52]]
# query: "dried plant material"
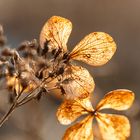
[[77, 82], [16, 85], [120, 99], [73, 81], [80, 131], [56, 30], [85, 103], [53, 59], [113, 127], [40, 68], [95, 49], [70, 110], [13, 84]]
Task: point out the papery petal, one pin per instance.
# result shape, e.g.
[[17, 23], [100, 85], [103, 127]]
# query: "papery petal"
[[120, 99], [77, 82], [95, 49], [70, 110], [57, 31], [80, 131], [113, 127]]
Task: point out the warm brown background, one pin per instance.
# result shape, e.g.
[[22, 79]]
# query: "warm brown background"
[[22, 20]]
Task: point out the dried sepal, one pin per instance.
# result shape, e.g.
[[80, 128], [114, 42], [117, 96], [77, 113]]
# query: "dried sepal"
[[95, 49], [70, 110], [13, 84], [56, 30], [80, 131], [77, 82], [113, 127], [120, 99]]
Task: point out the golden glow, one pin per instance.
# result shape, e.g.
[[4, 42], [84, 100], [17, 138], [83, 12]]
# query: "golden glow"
[[79, 84], [57, 31], [120, 99], [95, 49], [70, 110], [80, 131], [113, 127]]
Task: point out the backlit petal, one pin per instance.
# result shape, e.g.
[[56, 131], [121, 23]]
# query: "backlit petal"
[[113, 127], [56, 30], [80, 131], [77, 82], [120, 99], [95, 49], [70, 110]]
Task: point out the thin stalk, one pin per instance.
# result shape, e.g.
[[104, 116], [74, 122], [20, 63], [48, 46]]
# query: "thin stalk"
[[31, 95], [25, 101], [8, 114], [11, 109]]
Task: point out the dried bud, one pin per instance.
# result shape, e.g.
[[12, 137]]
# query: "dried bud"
[[22, 46], [7, 52]]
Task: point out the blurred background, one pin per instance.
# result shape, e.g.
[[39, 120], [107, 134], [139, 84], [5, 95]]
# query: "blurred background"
[[23, 20]]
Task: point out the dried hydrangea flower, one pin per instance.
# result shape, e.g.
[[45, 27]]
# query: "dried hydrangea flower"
[[95, 49], [112, 127]]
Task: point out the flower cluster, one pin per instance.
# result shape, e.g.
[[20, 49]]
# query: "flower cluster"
[[34, 69]]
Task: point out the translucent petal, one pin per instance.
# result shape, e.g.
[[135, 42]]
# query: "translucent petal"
[[120, 99], [80, 131], [56, 30], [113, 127], [95, 49], [70, 110], [77, 82]]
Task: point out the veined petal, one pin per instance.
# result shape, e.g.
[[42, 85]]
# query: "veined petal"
[[77, 82], [95, 49], [113, 127], [80, 131], [70, 110], [120, 99], [57, 31]]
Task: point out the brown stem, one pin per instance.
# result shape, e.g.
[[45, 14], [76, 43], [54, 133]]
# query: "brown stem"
[[25, 101], [18, 104], [7, 115], [31, 96], [11, 109]]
